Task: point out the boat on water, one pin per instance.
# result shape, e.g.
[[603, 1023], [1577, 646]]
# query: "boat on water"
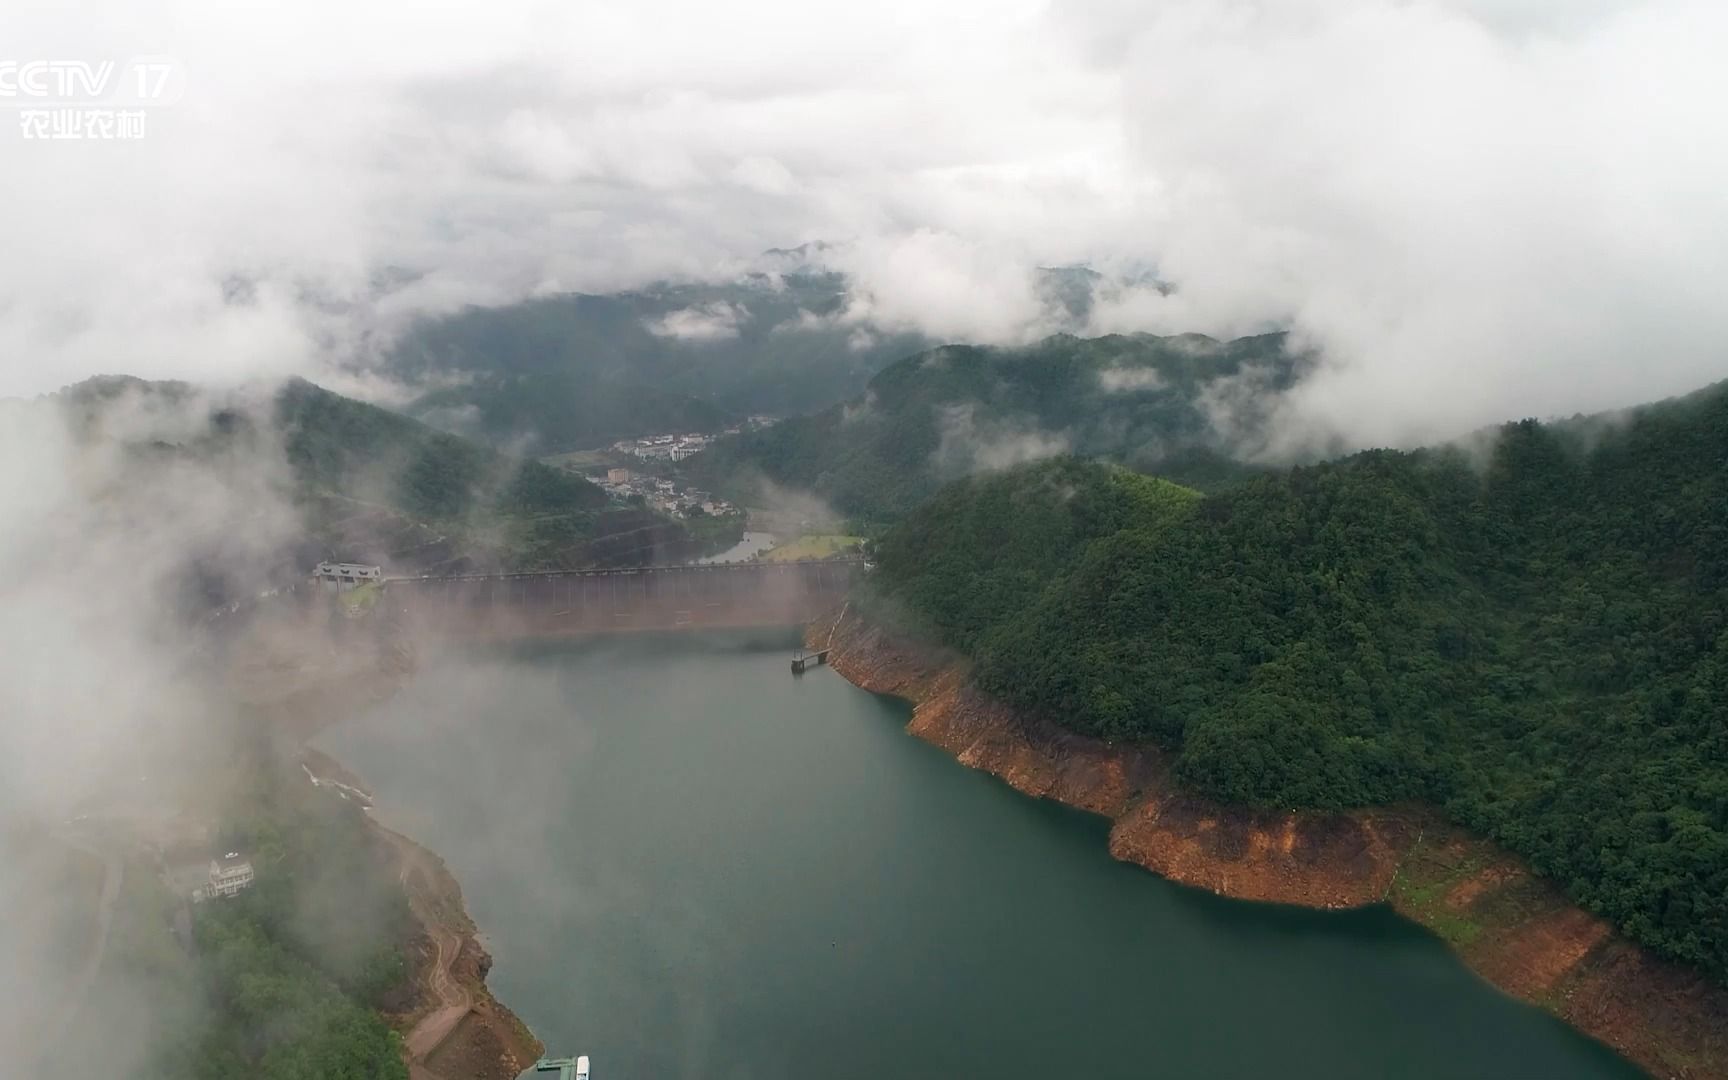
[[575, 1068]]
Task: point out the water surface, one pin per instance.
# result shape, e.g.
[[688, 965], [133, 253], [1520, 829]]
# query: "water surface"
[[750, 545], [688, 863]]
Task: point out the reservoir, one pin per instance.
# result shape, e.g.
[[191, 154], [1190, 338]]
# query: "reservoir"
[[688, 863], [750, 545]]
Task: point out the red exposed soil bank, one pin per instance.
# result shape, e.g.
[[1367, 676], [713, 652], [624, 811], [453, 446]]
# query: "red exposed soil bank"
[[1513, 928]]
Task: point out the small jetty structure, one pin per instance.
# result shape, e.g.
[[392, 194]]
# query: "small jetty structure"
[[804, 658], [575, 1068]]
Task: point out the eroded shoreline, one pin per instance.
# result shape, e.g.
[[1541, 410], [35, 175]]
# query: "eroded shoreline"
[[452, 1025], [1513, 928]]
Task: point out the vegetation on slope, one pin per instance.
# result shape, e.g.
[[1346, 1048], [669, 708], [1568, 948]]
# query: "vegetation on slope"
[[985, 549], [372, 485], [1534, 636], [577, 371], [284, 981], [1157, 404], [338, 444], [487, 508]]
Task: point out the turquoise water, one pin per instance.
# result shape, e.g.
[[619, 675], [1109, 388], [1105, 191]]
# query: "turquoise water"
[[688, 863]]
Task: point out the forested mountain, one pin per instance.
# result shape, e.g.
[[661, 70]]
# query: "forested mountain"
[[288, 979], [1165, 404], [371, 485], [337, 444], [577, 371], [1531, 632]]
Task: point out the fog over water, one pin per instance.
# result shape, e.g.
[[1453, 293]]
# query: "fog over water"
[[688, 863]]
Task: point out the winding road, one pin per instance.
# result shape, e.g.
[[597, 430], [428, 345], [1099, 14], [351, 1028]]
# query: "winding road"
[[454, 1000]]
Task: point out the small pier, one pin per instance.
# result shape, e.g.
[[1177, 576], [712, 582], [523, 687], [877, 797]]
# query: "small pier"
[[575, 1068], [804, 658]]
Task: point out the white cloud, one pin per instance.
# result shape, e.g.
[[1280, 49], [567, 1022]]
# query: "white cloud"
[[1476, 209], [1472, 223], [704, 322], [970, 445], [943, 284], [764, 175], [1120, 378]]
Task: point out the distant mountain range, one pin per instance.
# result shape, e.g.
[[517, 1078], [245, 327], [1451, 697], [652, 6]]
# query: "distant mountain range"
[[1173, 405], [576, 371]]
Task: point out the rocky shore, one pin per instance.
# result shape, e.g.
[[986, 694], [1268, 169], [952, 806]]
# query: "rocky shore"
[[1515, 929], [452, 1026]]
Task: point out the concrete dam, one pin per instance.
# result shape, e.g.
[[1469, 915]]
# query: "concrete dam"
[[580, 602]]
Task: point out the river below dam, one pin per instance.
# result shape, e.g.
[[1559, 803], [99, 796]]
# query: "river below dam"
[[688, 863]]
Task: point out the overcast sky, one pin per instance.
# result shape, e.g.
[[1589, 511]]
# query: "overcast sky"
[[1476, 209]]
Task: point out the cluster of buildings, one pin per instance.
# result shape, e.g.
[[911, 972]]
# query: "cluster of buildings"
[[660, 493], [678, 447], [664, 447]]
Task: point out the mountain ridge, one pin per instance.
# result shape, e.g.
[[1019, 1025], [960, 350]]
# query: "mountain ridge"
[[1534, 639]]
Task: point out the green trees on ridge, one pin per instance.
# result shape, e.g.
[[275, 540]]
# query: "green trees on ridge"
[[1534, 637]]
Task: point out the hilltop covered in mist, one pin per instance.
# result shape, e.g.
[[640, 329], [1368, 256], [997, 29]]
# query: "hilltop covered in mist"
[[578, 370], [1185, 407], [366, 484]]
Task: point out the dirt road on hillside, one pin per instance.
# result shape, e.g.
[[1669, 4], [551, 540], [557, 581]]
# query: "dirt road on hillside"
[[454, 1000]]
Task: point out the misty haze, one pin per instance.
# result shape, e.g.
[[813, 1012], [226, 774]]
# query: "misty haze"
[[950, 540]]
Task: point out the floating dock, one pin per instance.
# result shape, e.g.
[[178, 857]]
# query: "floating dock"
[[808, 658], [575, 1068]]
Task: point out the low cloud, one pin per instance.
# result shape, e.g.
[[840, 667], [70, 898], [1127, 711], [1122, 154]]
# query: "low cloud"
[[1471, 216], [1116, 379], [973, 444], [1460, 203], [706, 322], [126, 526], [944, 286]]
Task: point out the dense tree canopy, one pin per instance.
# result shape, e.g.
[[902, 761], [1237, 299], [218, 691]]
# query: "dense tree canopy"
[[1531, 632], [283, 981]]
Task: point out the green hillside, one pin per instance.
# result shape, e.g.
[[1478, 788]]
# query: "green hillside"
[[1532, 634], [335, 443], [987, 547], [1146, 401], [577, 371], [372, 485]]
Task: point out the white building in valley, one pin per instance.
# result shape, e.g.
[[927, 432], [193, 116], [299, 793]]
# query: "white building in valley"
[[229, 875]]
